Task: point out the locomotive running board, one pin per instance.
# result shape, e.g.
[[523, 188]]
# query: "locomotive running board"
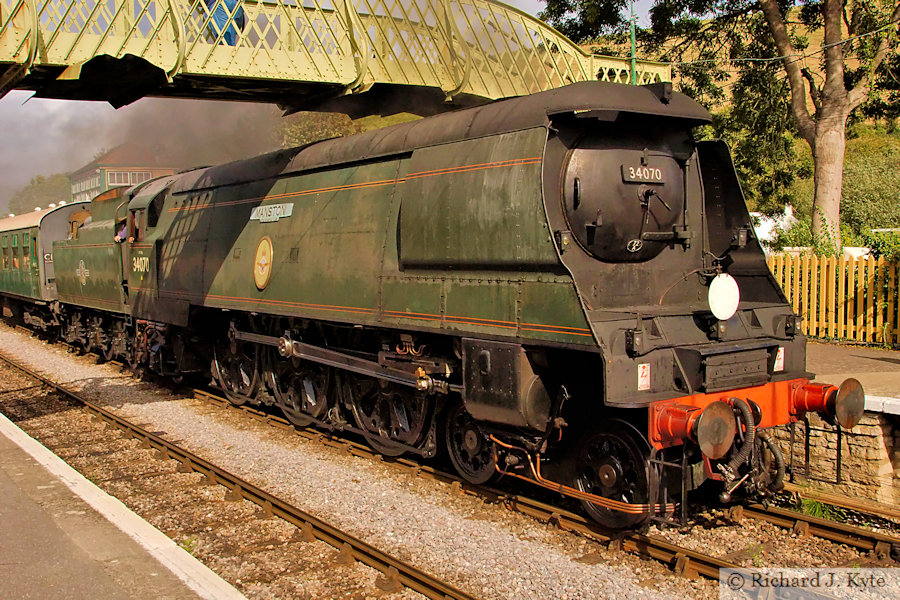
[[289, 348]]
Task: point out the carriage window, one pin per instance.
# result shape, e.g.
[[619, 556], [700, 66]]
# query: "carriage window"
[[15, 240], [15, 256], [6, 259]]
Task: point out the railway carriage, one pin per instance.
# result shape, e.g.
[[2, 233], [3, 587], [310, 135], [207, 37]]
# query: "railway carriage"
[[563, 287], [27, 274]]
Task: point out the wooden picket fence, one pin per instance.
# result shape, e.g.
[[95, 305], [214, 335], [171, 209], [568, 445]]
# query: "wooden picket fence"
[[842, 298]]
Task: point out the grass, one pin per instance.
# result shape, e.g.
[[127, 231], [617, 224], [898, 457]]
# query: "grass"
[[820, 510], [189, 545]]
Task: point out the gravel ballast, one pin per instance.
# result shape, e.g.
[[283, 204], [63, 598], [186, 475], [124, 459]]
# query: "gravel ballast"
[[481, 548]]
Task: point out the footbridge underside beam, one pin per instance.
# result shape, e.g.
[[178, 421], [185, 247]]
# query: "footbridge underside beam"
[[298, 53]]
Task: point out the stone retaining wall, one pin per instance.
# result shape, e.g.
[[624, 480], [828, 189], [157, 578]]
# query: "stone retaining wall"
[[870, 456]]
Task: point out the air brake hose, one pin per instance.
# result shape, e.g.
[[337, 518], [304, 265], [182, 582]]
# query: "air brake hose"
[[746, 415], [780, 466]]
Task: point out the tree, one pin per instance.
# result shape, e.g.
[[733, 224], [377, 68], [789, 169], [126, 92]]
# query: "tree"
[[713, 32], [41, 192]]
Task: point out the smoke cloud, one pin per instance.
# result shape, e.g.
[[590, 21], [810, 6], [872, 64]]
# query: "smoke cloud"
[[43, 137]]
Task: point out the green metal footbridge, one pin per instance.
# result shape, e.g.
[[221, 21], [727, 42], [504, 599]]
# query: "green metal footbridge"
[[297, 53]]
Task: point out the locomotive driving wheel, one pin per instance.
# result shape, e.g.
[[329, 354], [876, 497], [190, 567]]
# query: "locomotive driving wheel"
[[120, 341], [236, 368], [388, 414], [301, 389], [612, 461], [471, 451], [99, 340]]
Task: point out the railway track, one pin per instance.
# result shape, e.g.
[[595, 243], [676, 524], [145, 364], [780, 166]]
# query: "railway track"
[[396, 572], [683, 561], [861, 505]]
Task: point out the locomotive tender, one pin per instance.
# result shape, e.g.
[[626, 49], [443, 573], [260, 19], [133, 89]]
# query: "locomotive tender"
[[563, 287]]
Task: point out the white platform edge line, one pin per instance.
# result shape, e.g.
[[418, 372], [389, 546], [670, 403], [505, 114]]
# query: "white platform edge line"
[[197, 576], [883, 404]]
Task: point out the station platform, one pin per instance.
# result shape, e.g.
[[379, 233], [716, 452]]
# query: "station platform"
[[878, 371], [61, 537]]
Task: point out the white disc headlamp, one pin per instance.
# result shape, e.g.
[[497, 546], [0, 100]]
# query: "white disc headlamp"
[[724, 296]]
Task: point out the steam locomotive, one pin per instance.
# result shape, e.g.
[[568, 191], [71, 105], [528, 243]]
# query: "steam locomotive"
[[563, 288]]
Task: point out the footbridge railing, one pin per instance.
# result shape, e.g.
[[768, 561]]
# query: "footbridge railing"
[[275, 50]]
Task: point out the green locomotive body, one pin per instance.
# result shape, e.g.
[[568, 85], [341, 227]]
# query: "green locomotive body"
[[565, 278]]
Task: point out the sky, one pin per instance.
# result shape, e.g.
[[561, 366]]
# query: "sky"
[[44, 137]]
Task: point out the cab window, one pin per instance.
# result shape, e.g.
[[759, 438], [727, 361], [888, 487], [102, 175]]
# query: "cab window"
[[154, 210], [138, 224], [76, 221]]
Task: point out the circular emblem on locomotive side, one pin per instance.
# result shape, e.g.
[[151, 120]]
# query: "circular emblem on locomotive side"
[[262, 263], [82, 272], [634, 245]]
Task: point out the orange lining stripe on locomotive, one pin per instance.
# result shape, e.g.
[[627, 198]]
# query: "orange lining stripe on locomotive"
[[463, 168], [537, 327], [330, 307], [352, 186], [92, 299], [369, 311], [548, 329], [81, 246]]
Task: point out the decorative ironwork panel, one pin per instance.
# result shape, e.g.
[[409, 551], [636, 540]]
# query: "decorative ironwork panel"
[[477, 47]]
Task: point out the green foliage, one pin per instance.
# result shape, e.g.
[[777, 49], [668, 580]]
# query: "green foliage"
[[820, 510], [41, 191], [870, 166], [585, 20], [885, 245], [307, 127], [723, 55], [800, 234], [759, 126], [189, 545], [870, 180]]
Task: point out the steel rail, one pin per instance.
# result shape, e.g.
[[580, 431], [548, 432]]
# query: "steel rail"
[[393, 568], [683, 561], [881, 544], [870, 507], [679, 558]]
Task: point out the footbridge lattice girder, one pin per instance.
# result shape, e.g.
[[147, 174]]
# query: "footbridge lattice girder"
[[476, 48]]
